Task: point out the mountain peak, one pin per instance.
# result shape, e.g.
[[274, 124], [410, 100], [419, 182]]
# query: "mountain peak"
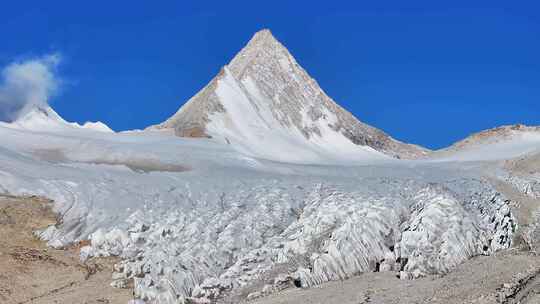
[[264, 34], [266, 105], [260, 50], [262, 39]]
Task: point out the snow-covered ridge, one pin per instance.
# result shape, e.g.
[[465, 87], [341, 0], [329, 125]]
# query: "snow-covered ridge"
[[46, 119], [500, 143], [498, 134], [265, 104], [96, 126]]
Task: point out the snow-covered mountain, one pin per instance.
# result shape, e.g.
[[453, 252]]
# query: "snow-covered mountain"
[[265, 104], [46, 119]]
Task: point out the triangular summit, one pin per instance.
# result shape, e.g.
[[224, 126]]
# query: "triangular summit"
[[266, 105]]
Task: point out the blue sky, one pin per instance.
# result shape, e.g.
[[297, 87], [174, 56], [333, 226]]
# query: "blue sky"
[[423, 71]]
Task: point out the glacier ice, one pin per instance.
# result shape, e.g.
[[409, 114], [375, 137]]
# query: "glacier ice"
[[324, 232], [224, 224], [283, 188]]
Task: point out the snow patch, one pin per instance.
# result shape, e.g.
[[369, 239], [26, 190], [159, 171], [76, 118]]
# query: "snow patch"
[[249, 125]]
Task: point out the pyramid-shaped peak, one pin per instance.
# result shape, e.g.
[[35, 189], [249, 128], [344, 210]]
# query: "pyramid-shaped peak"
[[263, 35], [263, 49], [264, 101], [262, 40]]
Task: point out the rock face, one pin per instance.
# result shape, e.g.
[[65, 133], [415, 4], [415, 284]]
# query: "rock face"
[[263, 97]]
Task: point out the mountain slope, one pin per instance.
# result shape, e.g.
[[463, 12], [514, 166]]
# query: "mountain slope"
[[266, 105], [499, 143]]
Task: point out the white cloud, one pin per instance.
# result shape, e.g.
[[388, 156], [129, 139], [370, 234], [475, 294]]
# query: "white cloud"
[[27, 84]]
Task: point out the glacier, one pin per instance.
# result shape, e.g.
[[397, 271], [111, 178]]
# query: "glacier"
[[197, 219]]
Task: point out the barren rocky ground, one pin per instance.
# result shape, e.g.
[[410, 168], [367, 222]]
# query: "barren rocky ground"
[[32, 273], [504, 278]]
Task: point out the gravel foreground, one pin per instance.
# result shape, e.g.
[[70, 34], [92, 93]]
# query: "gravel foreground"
[[510, 277], [30, 272]]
